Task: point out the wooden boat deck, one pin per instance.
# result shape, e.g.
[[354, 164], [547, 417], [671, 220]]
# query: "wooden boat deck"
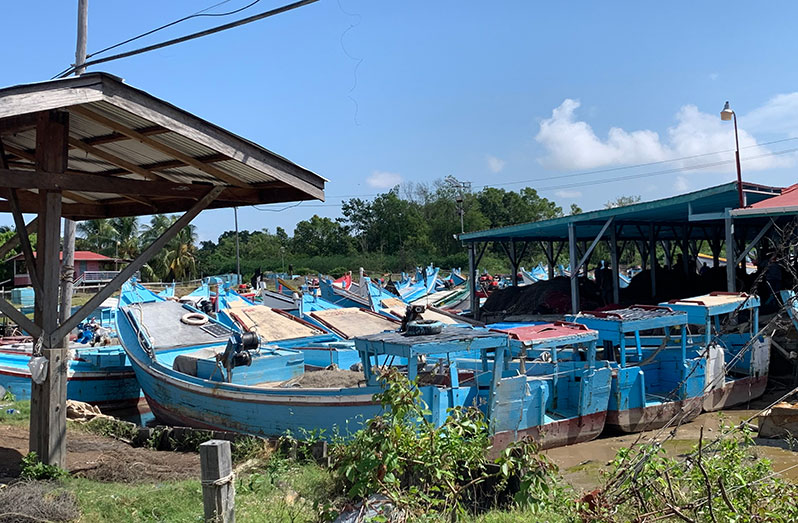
[[270, 324], [351, 322]]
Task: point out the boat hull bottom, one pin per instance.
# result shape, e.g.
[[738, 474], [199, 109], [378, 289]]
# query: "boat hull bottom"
[[735, 392], [654, 416], [556, 434]]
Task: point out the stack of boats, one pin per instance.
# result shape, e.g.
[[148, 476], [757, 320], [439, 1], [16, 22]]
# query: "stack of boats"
[[224, 361]]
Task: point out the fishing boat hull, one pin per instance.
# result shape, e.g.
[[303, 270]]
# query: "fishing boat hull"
[[558, 433], [654, 417], [735, 392], [108, 390]]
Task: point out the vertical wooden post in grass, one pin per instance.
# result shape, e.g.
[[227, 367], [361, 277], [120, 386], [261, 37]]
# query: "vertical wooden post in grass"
[[218, 490]]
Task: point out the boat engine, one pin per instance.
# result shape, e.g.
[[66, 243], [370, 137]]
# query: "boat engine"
[[236, 354]]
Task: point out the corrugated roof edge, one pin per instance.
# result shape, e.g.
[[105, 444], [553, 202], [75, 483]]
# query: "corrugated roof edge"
[[603, 214], [71, 91]]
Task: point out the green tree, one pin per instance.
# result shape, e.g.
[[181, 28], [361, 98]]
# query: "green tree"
[[320, 237], [622, 201]]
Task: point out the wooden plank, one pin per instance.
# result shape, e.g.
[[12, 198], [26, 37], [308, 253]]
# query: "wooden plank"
[[159, 146], [119, 162], [218, 489], [136, 264], [95, 183], [16, 124]]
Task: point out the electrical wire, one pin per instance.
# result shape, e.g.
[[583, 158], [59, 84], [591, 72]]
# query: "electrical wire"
[[200, 13], [192, 36]]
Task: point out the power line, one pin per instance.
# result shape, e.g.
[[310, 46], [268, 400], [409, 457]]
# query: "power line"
[[624, 167], [193, 36]]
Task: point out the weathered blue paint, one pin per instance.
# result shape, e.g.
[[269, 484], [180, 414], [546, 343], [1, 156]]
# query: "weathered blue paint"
[[649, 383]]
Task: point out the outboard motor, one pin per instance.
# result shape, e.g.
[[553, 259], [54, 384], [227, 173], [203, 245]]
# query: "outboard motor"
[[236, 354]]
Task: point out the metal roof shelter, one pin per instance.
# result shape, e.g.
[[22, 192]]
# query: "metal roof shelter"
[[94, 147], [679, 221]]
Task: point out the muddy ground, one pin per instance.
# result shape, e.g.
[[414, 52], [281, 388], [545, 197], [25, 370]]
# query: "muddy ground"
[[583, 465], [99, 458]]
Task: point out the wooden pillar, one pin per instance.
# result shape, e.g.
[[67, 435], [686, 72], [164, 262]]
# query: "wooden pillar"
[[48, 400], [616, 274], [218, 489], [573, 261]]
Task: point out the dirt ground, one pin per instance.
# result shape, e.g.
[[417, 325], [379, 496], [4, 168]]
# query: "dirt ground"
[[101, 459]]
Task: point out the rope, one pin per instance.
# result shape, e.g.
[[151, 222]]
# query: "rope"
[[219, 482]]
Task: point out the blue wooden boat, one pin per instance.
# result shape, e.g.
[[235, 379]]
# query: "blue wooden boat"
[[191, 377], [737, 364], [98, 375], [570, 390], [651, 386]]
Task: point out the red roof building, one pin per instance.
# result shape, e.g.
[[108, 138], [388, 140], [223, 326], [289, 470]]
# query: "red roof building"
[[90, 267]]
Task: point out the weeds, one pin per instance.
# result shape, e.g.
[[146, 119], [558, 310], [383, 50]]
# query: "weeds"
[[437, 470], [33, 469]]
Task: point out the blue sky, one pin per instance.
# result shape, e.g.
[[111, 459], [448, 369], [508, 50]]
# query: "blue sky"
[[370, 93]]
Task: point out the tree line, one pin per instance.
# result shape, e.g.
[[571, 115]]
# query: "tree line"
[[404, 227]]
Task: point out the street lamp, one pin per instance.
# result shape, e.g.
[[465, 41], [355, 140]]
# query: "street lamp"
[[727, 114], [282, 256], [460, 211]]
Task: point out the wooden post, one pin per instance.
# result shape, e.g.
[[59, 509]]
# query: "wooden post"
[[48, 400], [616, 270], [652, 252], [730, 263], [218, 489]]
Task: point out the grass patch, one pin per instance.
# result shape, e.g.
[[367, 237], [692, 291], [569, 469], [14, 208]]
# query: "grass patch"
[[280, 490], [20, 414]]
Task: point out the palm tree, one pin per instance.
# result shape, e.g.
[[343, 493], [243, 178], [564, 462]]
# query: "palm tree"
[[99, 235], [127, 236], [180, 256]]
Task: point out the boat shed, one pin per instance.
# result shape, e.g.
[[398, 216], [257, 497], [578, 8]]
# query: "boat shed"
[[94, 147], [679, 222]]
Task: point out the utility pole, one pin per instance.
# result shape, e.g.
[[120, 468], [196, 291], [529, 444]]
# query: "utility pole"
[[461, 187], [238, 258], [68, 257]]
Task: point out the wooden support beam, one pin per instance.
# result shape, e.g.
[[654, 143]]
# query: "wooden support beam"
[[24, 242], [14, 241], [616, 273], [150, 130], [16, 124], [20, 319], [136, 264], [731, 276], [111, 158], [48, 399], [155, 144]]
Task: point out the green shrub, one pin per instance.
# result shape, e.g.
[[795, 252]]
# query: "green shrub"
[[33, 469]]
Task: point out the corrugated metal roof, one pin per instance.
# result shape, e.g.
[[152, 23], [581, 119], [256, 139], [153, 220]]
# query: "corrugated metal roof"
[[669, 214], [785, 203], [117, 130]]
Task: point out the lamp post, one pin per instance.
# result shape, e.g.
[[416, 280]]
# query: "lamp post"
[[727, 114], [460, 211], [282, 256]]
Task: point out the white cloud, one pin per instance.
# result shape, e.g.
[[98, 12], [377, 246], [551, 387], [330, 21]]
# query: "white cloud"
[[568, 194], [383, 180], [572, 144], [495, 164], [681, 184]]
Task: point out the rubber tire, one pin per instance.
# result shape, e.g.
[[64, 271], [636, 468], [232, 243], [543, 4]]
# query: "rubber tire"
[[424, 327]]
